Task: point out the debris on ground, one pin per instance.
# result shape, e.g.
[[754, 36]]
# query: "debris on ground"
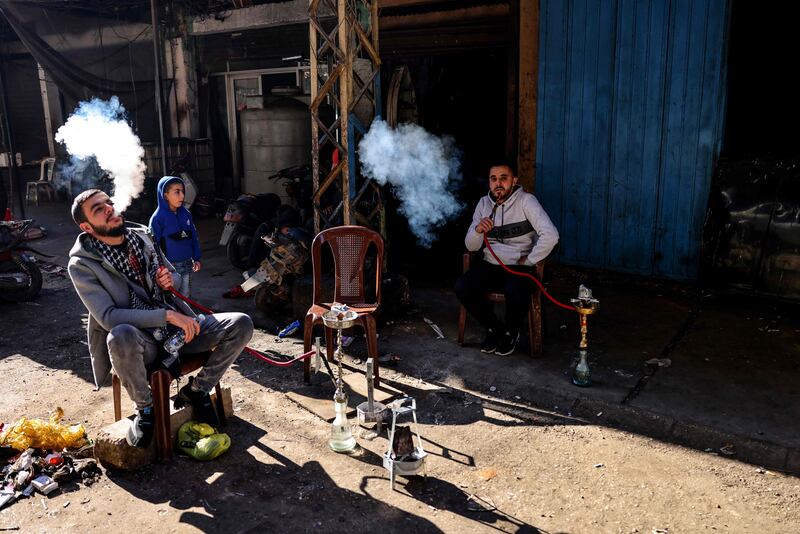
[[434, 327], [661, 362], [39, 434], [44, 471], [487, 473], [476, 503], [42, 456], [728, 449]]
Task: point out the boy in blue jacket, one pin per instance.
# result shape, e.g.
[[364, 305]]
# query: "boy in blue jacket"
[[174, 231]]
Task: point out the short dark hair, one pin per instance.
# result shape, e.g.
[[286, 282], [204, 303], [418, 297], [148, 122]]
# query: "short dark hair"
[[504, 162], [77, 205]]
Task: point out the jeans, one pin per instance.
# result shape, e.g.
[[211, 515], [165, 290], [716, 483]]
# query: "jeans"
[[184, 268], [132, 350], [482, 278]]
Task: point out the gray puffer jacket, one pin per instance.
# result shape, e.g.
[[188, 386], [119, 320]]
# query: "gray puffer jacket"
[[104, 292]]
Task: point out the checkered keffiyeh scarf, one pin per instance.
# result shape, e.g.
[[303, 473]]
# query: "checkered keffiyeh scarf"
[[132, 263]]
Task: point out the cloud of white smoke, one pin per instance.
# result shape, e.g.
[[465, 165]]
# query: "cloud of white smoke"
[[423, 170], [98, 129]]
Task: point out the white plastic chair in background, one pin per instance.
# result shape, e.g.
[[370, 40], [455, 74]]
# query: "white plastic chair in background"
[[44, 182]]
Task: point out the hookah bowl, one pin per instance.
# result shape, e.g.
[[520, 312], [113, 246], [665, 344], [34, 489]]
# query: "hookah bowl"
[[338, 318], [585, 305]]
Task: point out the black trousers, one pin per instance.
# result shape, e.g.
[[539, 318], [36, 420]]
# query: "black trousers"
[[482, 278]]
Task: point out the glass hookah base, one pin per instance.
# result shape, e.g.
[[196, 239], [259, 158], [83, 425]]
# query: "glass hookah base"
[[581, 380], [342, 443]]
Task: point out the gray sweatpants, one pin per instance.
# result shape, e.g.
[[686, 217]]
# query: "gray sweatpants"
[[131, 350]]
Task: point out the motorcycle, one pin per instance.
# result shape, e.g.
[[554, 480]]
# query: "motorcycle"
[[245, 214], [242, 218], [20, 276]]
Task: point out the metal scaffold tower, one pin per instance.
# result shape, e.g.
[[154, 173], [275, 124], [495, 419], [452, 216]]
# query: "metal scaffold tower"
[[345, 98]]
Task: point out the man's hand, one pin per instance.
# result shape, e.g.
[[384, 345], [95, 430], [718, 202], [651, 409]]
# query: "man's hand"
[[164, 278], [484, 226], [188, 324], [195, 266]]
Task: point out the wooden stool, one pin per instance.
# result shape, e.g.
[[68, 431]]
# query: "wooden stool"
[[534, 311], [160, 380]]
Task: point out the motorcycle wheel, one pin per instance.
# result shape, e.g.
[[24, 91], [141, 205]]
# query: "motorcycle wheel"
[[238, 250], [19, 263]]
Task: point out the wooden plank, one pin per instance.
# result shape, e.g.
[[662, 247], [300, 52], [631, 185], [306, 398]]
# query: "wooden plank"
[[636, 144], [512, 79], [551, 113], [449, 17], [602, 14], [528, 89]]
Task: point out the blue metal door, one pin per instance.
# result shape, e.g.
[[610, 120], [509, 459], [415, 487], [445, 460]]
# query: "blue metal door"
[[631, 110]]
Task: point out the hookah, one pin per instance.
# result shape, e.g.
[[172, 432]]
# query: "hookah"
[[584, 306], [338, 318]]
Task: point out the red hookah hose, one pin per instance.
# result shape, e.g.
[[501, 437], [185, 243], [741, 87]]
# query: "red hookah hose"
[[251, 352], [526, 275]]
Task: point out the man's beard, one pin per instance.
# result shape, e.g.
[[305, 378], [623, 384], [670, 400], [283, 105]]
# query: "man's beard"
[[106, 231]]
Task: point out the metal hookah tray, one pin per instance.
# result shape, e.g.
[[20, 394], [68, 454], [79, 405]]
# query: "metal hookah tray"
[[339, 319]]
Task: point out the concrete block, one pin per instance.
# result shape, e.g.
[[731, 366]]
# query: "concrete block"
[[113, 451]]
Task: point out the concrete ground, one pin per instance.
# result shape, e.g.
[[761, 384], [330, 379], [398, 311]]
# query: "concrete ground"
[[515, 447], [729, 377]]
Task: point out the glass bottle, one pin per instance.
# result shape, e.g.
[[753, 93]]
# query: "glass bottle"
[[342, 439], [582, 375]]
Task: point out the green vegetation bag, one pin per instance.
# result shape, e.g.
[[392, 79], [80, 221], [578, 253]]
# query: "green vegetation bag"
[[201, 441]]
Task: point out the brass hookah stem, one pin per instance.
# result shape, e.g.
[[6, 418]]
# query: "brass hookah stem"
[[584, 330]]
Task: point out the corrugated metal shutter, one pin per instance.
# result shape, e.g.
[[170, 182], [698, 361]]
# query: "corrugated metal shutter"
[[631, 109]]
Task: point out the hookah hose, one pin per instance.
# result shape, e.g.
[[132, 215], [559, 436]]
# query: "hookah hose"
[[526, 275], [251, 352]]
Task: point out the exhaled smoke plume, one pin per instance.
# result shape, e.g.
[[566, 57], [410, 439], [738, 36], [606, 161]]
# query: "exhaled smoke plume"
[[98, 129], [423, 170]]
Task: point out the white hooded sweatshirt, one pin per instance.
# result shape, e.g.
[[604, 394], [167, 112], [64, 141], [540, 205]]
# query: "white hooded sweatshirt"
[[522, 229]]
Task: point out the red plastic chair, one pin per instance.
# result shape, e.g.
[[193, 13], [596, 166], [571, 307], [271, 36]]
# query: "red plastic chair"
[[349, 246]]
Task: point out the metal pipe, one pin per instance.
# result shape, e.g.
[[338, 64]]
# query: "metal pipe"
[[157, 67]]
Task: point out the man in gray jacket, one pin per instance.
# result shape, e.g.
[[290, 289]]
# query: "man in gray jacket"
[[521, 234], [121, 279]]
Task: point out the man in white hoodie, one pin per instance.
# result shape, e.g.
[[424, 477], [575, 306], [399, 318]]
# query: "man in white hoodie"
[[521, 234]]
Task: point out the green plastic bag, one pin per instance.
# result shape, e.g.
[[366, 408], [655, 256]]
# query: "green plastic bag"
[[201, 441]]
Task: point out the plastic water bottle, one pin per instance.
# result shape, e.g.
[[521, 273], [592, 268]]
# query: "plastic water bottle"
[[289, 330], [176, 341]]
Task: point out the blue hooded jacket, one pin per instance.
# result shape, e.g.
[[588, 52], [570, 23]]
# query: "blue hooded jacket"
[[174, 231]]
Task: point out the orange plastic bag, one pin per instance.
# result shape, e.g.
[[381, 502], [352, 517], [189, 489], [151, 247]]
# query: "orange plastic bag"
[[27, 433]]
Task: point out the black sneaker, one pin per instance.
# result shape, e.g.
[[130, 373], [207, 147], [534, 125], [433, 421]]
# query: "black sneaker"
[[140, 433], [489, 342], [202, 408], [507, 344]]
